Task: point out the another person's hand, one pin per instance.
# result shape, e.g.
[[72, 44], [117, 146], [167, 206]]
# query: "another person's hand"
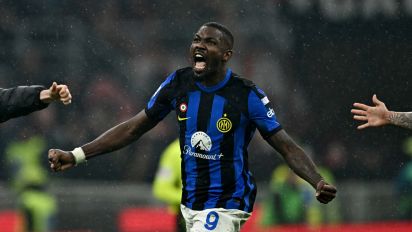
[[60, 160], [325, 192], [374, 116], [56, 92]]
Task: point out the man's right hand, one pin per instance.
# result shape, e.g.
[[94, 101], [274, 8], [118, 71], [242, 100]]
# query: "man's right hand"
[[56, 92], [325, 192], [60, 160]]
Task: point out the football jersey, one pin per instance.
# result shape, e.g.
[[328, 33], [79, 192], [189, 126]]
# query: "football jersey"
[[216, 125]]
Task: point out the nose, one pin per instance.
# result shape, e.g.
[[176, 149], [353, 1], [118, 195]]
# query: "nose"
[[199, 45]]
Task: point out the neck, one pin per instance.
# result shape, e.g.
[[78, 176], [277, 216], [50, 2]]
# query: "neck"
[[214, 78]]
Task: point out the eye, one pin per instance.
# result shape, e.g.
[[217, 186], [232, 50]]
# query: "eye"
[[211, 42], [196, 39]]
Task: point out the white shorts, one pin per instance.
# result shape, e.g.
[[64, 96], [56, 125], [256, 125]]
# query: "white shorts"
[[217, 219]]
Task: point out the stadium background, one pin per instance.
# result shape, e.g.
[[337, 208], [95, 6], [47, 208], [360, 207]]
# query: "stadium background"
[[313, 58]]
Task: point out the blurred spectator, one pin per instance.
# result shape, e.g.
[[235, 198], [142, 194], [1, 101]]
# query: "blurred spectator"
[[336, 158], [366, 163], [404, 184], [167, 185], [290, 201], [28, 179]]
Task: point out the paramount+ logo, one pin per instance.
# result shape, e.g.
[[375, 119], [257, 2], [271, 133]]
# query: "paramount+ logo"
[[224, 124]]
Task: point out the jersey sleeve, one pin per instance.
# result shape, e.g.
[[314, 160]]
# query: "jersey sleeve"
[[261, 112], [160, 104], [19, 101]]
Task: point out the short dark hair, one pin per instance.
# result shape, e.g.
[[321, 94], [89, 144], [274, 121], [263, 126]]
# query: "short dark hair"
[[226, 32]]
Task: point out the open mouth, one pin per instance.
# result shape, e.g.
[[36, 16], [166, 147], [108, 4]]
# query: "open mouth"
[[199, 63]]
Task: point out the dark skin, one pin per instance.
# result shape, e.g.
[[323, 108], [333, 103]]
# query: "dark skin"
[[216, 50]]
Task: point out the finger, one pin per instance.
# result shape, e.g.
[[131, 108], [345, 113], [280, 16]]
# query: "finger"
[[375, 100], [53, 160], [360, 118], [324, 200], [51, 154], [329, 189], [319, 187], [64, 167], [63, 94], [325, 197], [53, 88], [359, 112], [55, 166], [363, 126], [361, 106], [66, 96], [326, 194], [328, 198], [63, 90], [321, 200], [67, 102], [67, 99], [325, 191], [60, 89]]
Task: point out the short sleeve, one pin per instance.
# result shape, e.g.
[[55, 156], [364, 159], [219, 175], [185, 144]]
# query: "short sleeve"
[[261, 112], [160, 104]]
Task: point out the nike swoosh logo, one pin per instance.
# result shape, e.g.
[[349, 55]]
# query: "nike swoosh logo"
[[182, 119]]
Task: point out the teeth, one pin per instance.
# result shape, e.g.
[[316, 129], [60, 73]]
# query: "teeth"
[[198, 55]]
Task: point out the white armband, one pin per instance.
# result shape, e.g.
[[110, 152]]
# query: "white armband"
[[79, 156]]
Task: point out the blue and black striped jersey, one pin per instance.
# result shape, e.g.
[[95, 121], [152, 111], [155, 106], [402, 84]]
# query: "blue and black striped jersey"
[[216, 125]]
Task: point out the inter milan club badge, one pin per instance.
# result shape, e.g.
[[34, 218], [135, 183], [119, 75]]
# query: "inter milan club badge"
[[224, 124], [183, 107]]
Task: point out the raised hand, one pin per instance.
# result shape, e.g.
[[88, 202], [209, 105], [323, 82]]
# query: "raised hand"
[[374, 116], [60, 160], [62, 93], [56, 92], [325, 192]]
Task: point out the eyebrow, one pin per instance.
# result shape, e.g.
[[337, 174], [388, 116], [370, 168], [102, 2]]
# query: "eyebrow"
[[207, 38]]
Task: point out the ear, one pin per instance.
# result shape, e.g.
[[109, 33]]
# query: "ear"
[[227, 55]]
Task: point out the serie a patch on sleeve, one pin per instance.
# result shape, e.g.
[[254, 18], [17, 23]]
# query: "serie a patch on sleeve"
[[265, 100]]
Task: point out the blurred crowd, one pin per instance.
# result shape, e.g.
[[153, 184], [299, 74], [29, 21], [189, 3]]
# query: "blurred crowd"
[[114, 54]]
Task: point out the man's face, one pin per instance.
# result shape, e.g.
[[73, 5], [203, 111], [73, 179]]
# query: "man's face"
[[208, 52]]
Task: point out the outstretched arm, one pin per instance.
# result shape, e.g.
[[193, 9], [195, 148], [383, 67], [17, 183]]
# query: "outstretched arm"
[[379, 115], [402, 119], [302, 165], [22, 100], [111, 140]]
